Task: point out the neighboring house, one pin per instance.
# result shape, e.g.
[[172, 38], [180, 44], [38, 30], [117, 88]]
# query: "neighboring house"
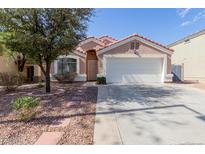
[[189, 56], [31, 72], [6, 65], [132, 59]]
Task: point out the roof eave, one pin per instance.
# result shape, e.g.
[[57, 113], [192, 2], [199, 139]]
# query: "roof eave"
[[126, 40], [191, 36]]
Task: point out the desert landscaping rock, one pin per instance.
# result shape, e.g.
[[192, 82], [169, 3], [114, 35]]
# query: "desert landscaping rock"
[[76, 98], [79, 94], [74, 103], [57, 113], [80, 90], [61, 123]]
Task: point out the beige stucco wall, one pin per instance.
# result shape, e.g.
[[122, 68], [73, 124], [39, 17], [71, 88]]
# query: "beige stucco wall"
[[192, 55], [86, 47], [38, 75], [82, 65], [7, 65], [125, 49]]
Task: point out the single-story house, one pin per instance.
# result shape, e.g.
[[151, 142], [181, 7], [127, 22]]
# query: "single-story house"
[[132, 59], [188, 59], [32, 72]]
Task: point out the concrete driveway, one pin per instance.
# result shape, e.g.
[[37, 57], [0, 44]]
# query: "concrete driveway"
[[150, 114]]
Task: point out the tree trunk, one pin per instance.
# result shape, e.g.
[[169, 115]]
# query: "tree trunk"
[[21, 61], [21, 65], [47, 77], [46, 72]]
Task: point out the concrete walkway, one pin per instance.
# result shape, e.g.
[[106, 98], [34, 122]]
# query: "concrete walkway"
[[150, 114], [52, 138], [49, 138]]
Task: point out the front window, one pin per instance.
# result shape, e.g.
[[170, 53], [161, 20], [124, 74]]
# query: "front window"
[[134, 45], [66, 65]]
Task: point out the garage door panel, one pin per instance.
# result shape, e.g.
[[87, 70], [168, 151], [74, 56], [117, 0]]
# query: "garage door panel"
[[128, 69], [134, 78], [134, 69]]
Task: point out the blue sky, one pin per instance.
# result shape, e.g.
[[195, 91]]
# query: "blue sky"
[[162, 25]]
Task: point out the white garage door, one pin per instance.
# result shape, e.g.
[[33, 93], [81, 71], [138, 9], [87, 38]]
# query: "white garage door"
[[134, 69]]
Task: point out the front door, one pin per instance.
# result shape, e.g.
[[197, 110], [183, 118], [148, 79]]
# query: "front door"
[[30, 73], [92, 70]]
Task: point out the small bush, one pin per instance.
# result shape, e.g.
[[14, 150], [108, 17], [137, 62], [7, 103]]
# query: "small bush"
[[101, 80], [67, 77], [25, 106], [40, 85], [11, 81]]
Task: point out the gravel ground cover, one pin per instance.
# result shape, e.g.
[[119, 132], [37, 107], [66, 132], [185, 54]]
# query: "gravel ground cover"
[[54, 107]]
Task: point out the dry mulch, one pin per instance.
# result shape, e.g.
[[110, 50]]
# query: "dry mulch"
[[54, 107]]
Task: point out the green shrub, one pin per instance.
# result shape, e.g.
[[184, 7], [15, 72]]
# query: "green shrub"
[[66, 77], [40, 85], [101, 80], [11, 81], [25, 107]]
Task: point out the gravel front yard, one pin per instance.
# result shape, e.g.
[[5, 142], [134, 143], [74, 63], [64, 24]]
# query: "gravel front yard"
[[58, 105]]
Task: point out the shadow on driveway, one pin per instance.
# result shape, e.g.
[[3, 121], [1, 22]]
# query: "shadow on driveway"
[[142, 94], [149, 109]]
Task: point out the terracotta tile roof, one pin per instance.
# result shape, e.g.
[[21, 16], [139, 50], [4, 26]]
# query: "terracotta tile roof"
[[108, 37], [91, 37], [137, 35]]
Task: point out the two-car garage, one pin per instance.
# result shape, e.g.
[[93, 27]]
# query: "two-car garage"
[[135, 59], [134, 69]]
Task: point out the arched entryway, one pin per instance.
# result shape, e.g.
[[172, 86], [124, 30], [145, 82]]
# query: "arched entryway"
[[91, 65]]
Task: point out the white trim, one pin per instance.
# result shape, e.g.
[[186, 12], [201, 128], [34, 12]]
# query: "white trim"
[[100, 75], [132, 39], [163, 56], [131, 55], [55, 66], [104, 65], [168, 78], [182, 72], [79, 53], [164, 69], [68, 56]]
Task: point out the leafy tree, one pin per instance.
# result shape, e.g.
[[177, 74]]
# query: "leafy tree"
[[44, 34], [2, 43], [18, 57]]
